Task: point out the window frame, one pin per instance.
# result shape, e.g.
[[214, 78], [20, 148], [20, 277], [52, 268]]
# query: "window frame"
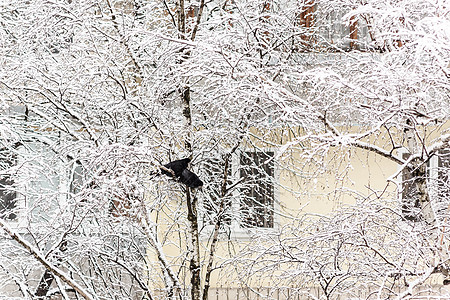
[[237, 230], [339, 36], [432, 179], [9, 198], [244, 197], [25, 202]]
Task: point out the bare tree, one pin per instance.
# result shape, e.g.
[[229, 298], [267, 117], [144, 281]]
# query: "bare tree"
[[386, 101], [98, 95]]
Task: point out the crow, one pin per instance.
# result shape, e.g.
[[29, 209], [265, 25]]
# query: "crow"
[[181, 173], [177, 166], [190, 179]]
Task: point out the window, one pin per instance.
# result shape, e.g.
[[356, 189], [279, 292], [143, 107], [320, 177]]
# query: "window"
[[39, 182], [8, 201], [257, 191], [247, 199], [324, 28], [346, 35], [440, 177], [409, 196], [436, 175]]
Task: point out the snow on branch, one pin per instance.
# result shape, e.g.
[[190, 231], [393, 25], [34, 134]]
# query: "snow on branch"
[[47, 264]]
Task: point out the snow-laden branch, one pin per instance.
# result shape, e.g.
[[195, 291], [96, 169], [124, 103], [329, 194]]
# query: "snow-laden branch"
[[152, 235], [377, 150], [415, 283], [47, 264], [442, 141]]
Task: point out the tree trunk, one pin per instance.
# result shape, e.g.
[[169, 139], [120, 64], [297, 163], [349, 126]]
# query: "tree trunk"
[[194, 251], [192, 202]]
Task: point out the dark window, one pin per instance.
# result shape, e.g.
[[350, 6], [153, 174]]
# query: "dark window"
[[443, 182], [410, 200], [257, 191], [438, 186], [8, 201], [410, 196]]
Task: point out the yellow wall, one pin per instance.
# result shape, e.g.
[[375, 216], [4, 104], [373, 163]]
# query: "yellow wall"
[[338, 177]]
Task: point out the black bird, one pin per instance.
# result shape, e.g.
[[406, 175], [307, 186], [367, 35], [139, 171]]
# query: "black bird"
[[190, 179], [177, 166], [181, 173]]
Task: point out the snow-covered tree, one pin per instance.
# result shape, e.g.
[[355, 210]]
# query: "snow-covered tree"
[[97, 95], [387, 100]]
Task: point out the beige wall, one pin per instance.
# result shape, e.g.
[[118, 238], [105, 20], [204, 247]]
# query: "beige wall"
[[343, 175]]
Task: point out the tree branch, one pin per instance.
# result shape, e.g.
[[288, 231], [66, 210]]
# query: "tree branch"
[[48, 265]]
